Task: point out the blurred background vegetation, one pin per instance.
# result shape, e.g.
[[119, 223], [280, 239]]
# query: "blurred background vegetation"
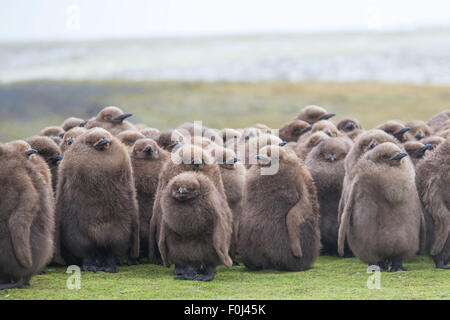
[[27, 107]]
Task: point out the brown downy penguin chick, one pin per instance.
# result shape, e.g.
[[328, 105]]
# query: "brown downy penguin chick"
[[151, 133], [229, 135], [70, 137], [54, 133], [141, 126], [433, 184], [445, 126], [96, 203], [71, 122], [111, 119], [147, 159], [50, 152], [351, 127], [366, 141], [27, 224], [326, 127], [416, 150], [129, 138], [196, 227], [396, 129], [185, 158], [436, 121], [419, 130], [251, 147], [303, 147], [190, 130], [313, 114], [279, 227], [263, 128], [326, 165], [434, 141], [169, 139], [382, 219], [291, 131], [232, 172], [444, 134]]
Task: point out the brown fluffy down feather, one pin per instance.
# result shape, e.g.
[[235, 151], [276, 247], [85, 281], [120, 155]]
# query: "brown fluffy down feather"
[[279, 228], [382, 218], [26, 216], [96, 207], [433, 184], [194, 231]]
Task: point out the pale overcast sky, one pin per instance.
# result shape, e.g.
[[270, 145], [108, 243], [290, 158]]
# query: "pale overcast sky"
[[81, 19]]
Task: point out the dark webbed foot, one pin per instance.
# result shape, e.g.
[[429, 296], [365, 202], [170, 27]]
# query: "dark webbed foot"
[[397, 265], [441, 265], [235, 263], [133, 262], [179, 270], [189, 274], [208, 273], [15, 285], [90, 265], [110, 266]]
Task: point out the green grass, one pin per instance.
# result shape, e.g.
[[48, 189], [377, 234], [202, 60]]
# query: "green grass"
[[25, 108], [330, 278]]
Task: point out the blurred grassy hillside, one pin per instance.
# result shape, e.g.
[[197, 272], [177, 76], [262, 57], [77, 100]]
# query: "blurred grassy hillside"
[[27, 107]]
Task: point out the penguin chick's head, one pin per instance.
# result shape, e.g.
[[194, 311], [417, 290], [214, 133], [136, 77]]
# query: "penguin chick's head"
[[419, 129], [129, 137], [348, 125], [372, 138], [272, 154], [113, 115], [224, 157], [192, 156], [52, 132], [20, 149], [99, 139], [326, 127], [416, 149], [146, 149], [331, 150], [387, 154], [293, 130], [185, 186], [47, 149], [71, 136], [312, 114], [395, 128]]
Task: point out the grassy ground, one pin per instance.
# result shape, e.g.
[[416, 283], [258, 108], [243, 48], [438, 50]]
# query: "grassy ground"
[[25, 108], [330, 278]]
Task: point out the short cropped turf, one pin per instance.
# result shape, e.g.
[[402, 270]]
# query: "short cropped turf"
[[330, 278]]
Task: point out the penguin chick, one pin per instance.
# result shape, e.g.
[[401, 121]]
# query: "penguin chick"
[[382, 219], [351, 127], [151, 133], [50, 152], [434, 141], [313, 114], [303, 147], [396, 129], [196, 227], [111, 119], [129, 137], [433, 184], [291, 131], [279, 224], [436, 121], [71, 122], [419, 130], [70, 137], [416, 150], [147, 159], [96, 203], [26, 217], [325, 162]]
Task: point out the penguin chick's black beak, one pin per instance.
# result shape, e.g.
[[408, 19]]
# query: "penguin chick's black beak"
[[55, 160], [102, 143], [30, 152], [401, 132], [306, 130], [181, 191], [400, 156], [62, 135], [420, 136], [282, 143], [332, 158], [328, 133], [69, 141], [148, 150], [83, 123], [350, 126], [123, 117], [328, 116], [425, 148], [262, 158], [236, 160]]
